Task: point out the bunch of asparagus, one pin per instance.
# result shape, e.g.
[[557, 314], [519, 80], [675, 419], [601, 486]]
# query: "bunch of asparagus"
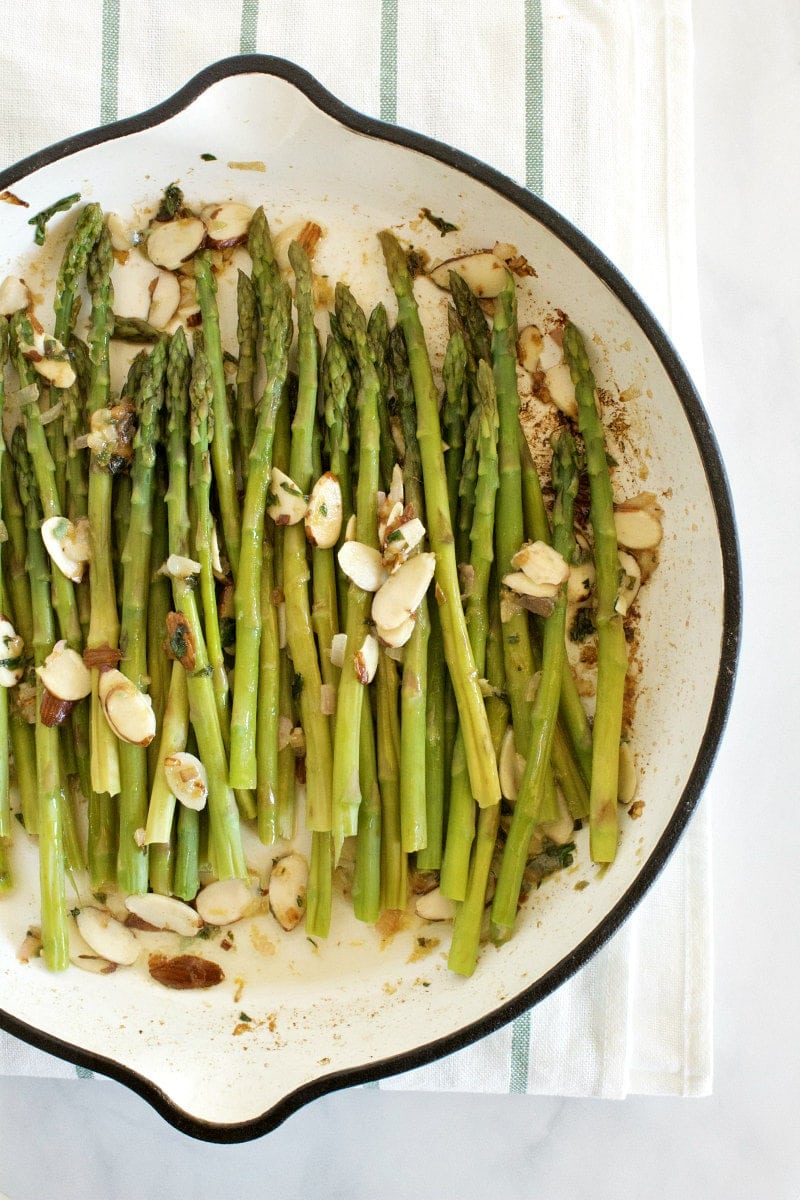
[[210, 631]]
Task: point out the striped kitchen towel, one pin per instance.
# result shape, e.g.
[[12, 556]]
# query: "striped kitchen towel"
[[589, 104]]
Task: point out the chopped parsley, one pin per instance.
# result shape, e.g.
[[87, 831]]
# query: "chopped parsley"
[[171, 203], [438, 222], [208, 157]]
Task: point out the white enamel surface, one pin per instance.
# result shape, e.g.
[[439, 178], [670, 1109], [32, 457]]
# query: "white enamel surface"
[[356, 1000]]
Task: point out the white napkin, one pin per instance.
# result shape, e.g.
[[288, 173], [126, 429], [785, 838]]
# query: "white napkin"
[[588, 103]]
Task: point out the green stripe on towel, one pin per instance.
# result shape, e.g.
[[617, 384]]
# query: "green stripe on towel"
[[249, 27], [534, 103], [109, 70], [520, 1053], [388, 79]]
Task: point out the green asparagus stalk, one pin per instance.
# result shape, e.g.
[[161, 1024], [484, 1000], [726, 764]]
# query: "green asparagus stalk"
[[73, 265], [159, 603], [477, 737], [244, 772], [201, 398], [247, 334], [528, 808], [104, 621], [454, 422], [378, 340], [472, 322], [132, 862], [612, 653], [15, 575], [461, 815], [224, 830], [5, 803], [346, 752], [394, 864], [51, 799], [336, 385], [172, 737], [463, 955], [367, 873], [221, 447]]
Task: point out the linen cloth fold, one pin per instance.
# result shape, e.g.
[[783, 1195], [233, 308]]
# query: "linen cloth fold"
[[589, 104]]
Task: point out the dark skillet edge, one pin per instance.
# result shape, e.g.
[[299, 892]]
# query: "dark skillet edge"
[[732, 601]]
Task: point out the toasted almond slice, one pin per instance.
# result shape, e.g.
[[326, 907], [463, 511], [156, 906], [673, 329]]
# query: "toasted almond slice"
[[287, 890], [629, 583], [401, 595], [170, 243], [11, 649], [433, 906], [362, 565], [132, 281], [82, 955], [562, 829], [338, 648], [165, 912], [397, 489], [551, 352], [627, 780], [224, 901], [366, 659], [391, 517], [542, 564], [288, 505], [484, 272], [107, 937], [187, 780], [523, 585], [164, 301], [178, 567], [561, 389], [58, 371], [227, 223], [529, 347], [580, 582], [350, 528], [324, 514], [128, 711], [65, 674], [638, 522], [66, 544], [510, 766], [327, 699], [398, 637], [14, 295], [118, 232]]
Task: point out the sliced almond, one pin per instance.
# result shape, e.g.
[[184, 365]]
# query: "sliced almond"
[[397, 489], [14, 295], [68, 546], [170, 243], [338, 648], [287, 504], [366, 659], [64, 673], [324, 514], [178, 567], [401, 595], [484, 272], [542, 565], [58, 371], [327, 699], [12, 648], [551, 352], [227, 224], [82, 955], [187, 780], [529, 347], [363, 565], [580, 582], [165, 912], [390, 514], [288, 884], [395, 639], [107, 937], [630, 581], [627, 780], [638, 522], [562, 829], [164, 300], [535, 597], [561, 389], [433, 906], [510, 766], [128, 711], [184, 971], [118, 232], [132, 281], [224, 901], [350, 528]]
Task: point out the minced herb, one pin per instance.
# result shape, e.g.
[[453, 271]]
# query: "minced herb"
[[171, 203], [583, 625], [438, 222], [208, 157]]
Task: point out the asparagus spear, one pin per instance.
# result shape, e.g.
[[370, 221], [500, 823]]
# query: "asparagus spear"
[[612, 654], [378, 340], [394, 864], [5, 807], [367, 873], [51, 799], [221, 447], [477, 736], [454, 421], [336, 385], [528, 808], [346, 783], [461, 815], [247, 334], [104, 622], [224, 830], [132, 862]]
